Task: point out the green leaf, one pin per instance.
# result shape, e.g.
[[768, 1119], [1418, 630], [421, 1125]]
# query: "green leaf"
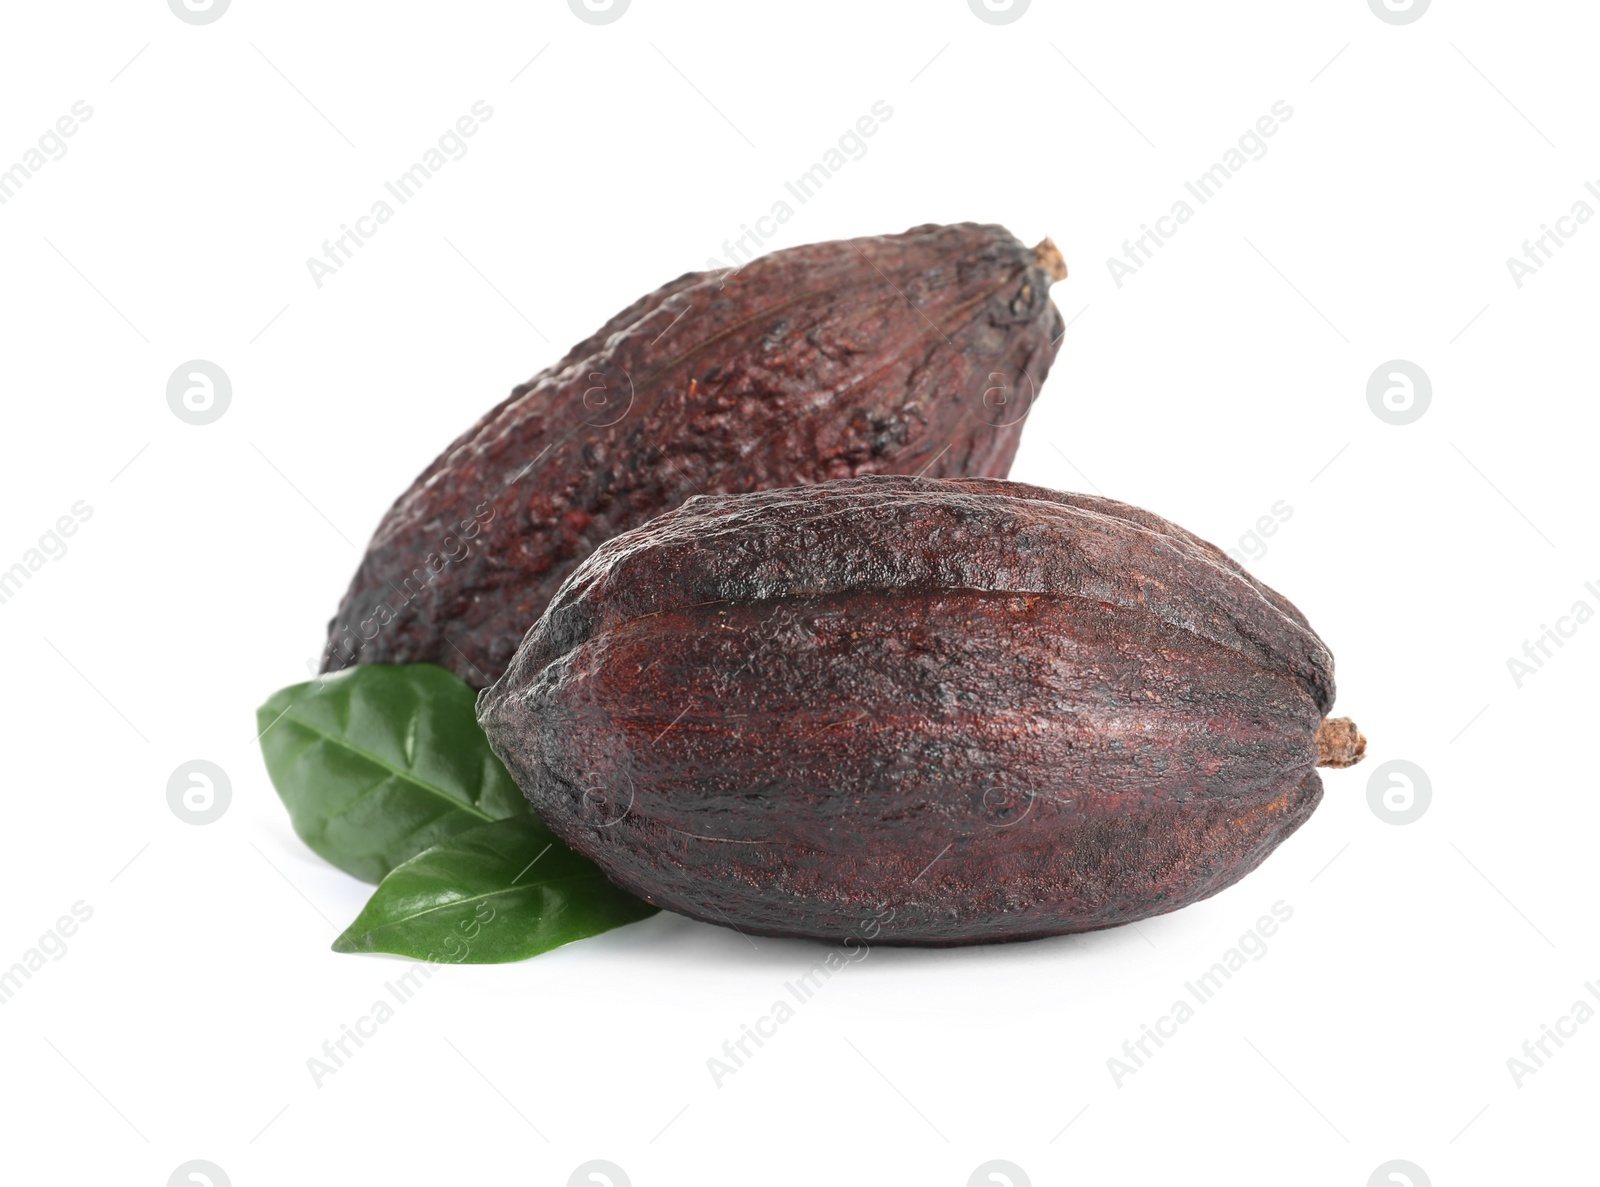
[[378, 762], [502, 891]]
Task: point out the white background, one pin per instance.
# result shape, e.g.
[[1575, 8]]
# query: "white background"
[[1228, 374]]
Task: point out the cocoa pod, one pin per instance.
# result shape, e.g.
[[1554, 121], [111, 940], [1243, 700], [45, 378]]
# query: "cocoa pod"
[[944, 712], [902, 354]]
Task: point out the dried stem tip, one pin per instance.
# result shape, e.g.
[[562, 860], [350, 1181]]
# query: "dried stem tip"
[[1050, 259], [1340, 743]]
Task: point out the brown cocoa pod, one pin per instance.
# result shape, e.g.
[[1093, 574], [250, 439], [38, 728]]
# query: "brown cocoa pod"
[[944, 712], [901, 354]]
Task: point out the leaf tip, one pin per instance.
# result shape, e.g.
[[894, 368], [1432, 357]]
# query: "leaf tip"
[[347, 942]]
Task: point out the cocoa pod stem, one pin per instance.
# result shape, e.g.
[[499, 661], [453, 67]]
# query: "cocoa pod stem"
[[1340, 743], [1050, 258]]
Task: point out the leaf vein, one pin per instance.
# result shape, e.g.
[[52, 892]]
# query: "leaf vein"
[[397, 772], [400, 921]]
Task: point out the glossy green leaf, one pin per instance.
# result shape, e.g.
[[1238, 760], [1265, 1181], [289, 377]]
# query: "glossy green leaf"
[[379, 762], [502, 891]]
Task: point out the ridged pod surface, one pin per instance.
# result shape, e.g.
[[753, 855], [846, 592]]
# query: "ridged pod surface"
[[898, 354], [944, 711]]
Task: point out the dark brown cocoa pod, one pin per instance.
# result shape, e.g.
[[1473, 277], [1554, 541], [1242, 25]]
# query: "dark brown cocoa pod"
[[943, 712], [901, 354]]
